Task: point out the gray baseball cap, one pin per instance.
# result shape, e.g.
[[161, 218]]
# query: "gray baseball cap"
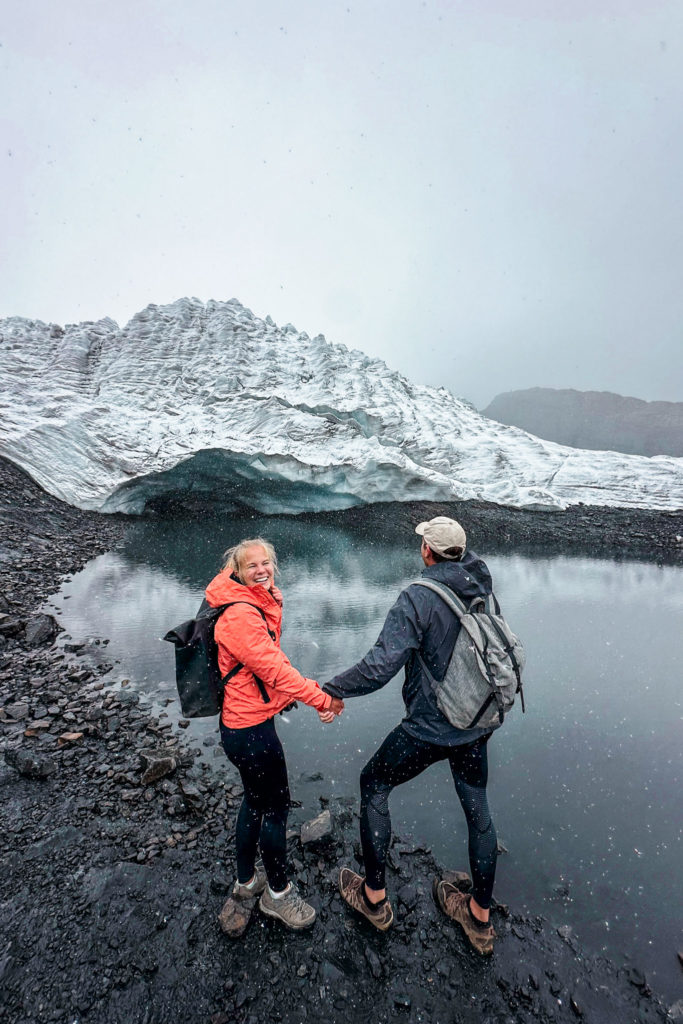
[[444, 535]]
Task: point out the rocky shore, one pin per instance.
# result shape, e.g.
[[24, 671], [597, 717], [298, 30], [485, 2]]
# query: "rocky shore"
[[589, 530], [115, 841]]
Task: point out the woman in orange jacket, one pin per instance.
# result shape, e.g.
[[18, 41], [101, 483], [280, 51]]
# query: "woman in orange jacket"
[[261, 682]]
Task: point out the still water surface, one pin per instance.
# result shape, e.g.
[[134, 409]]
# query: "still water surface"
[[585, 788]]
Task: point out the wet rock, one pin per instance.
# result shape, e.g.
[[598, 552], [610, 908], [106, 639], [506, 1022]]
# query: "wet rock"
[[5, 962], [636, 977], [318, 830], [10, 626], [36, 728], [129, 698], [373, 962], [220, 884], [29, 763], [235, 916], [393, 859], [676, 1011], [555, 984], [407, 895], [192, 796], [80, 675], [402, 1000], [42, 629], [331, 972], [311, 776], [69, 737], [156, 765], [17, 711]]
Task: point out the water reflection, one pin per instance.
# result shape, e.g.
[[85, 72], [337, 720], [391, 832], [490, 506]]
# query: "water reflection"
[[584, 787]]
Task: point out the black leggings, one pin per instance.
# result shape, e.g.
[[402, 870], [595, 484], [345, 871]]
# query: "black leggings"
[[262, 819], [401, 758]]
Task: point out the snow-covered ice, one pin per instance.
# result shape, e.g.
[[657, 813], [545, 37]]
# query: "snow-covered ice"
[[206, 397]]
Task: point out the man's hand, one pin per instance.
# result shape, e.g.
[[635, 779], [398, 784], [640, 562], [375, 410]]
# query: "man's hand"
[[335, 708]]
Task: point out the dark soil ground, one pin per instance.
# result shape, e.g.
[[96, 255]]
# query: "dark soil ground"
[[111, 886]]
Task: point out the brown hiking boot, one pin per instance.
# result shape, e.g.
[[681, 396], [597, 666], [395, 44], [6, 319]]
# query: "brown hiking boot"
[[351, 889], [456, 905], [291, 909], [241, 892]]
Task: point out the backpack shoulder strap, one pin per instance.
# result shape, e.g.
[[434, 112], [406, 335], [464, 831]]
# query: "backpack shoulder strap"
[[457, 606], [239, 666], [221, 608]]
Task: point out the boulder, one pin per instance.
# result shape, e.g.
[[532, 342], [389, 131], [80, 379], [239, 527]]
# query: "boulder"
[[10, 626], [41, 629], [17, 710], [235, 916], [156, 765], [317, 830], [29, 763]]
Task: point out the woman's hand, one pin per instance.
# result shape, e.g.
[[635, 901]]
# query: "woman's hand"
[[326, 717], [277, 593]]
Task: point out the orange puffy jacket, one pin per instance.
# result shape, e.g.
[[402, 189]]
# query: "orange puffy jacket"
[[242, 636]]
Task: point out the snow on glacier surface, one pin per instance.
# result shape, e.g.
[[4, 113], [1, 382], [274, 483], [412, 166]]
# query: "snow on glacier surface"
[[194, 399]]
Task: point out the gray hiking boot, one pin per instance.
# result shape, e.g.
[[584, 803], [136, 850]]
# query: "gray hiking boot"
[[241, 892], [351, 889], [291, 909], [456, 905]]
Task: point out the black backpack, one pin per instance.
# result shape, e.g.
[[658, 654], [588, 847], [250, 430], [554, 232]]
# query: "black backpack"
[[200, 684]]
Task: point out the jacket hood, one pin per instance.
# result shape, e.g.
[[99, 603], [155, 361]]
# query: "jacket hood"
[[469, 577], [225, 588]]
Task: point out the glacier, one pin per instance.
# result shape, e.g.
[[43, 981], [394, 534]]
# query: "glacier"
[[197, 401]]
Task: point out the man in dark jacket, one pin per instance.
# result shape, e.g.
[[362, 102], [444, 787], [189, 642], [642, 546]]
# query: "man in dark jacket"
[[420, 621]]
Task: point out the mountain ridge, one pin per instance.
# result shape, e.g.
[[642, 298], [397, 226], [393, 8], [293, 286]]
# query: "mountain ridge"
[[594, 420]]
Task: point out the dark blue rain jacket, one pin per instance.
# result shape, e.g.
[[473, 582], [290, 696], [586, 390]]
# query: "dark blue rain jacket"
[[420, 621]]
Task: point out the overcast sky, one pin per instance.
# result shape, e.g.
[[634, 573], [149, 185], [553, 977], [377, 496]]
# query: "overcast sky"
[[486, 195]]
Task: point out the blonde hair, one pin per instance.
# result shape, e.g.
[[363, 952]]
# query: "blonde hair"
[[235, 555]]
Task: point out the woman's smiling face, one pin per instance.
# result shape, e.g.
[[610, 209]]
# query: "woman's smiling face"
[[256, 567]]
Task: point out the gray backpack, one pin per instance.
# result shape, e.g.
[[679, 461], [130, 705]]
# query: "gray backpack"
[[485, 670]]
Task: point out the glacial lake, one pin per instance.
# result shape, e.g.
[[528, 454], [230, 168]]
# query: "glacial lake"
[[585, 788]]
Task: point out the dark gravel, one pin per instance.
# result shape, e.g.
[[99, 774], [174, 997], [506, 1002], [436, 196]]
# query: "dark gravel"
[[110, 888], [588, 530]]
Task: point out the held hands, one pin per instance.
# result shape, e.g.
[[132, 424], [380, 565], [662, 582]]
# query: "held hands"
[[335, 708]]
